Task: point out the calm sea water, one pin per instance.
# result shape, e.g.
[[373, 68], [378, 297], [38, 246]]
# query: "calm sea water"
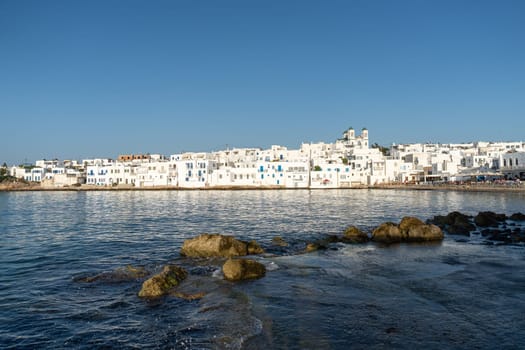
[[456, 294]]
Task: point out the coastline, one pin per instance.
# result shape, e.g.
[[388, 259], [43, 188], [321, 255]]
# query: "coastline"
[[474, 187]]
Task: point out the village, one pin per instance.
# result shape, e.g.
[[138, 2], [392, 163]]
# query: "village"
[[350, 161]]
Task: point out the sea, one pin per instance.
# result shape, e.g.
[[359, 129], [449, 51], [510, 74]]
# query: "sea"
[[61, 253]]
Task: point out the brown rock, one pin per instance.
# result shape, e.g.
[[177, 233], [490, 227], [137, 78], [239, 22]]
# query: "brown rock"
[[408, 222], [254, 248], [213, 245], [242, 269], [387, 232], [279, 241], [424, 233], [311, 247], [354, 235], [415, 230], [161, 283]]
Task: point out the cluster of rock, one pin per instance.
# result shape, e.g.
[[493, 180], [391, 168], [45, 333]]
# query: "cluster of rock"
[[208, 246], [493, 226], [410, 229], [236, 267]]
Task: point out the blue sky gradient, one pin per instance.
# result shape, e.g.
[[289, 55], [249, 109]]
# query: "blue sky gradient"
[[81, 79]]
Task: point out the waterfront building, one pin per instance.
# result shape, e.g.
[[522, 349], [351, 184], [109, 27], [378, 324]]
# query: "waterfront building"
[[347, 162]]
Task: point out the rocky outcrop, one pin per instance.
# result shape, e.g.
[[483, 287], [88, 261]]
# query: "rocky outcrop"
[[161, 283], [489, 219], [454, 223], [242, 269], [517, 217], [214, 245], [354, 235], [415, 230], [410, 229], [387, 232]]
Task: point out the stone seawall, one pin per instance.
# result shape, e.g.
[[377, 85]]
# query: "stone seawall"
[[411, 187]]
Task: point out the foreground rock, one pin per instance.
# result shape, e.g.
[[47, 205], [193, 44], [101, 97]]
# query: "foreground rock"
[[214, 245], [354, 235], [161, 283], [243, 269], [410, 229]]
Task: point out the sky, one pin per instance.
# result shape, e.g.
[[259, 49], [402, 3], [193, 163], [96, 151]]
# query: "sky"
[[99, 78]]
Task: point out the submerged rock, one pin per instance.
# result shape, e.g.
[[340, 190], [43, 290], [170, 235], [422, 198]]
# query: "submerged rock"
[[279, 241], [121, 274], [213, 245], [242, 269], [354, 235], [161, 283], [188, 296], [312, 247]]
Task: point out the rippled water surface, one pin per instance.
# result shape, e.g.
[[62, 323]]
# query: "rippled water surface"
[[456, 294]]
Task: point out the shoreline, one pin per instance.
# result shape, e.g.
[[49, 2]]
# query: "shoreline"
[[411, 187]]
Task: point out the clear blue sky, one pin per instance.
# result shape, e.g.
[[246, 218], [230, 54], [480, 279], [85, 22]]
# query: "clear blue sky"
[[83, 79]]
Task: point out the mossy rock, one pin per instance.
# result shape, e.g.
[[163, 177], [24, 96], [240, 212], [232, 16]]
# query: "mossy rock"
[[161, 283], [243, 269]]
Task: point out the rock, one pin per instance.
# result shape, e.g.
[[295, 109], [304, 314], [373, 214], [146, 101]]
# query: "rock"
[[454, 223], [133, 272], [213, 245], [254, 248], [312, 247], [410, 229], [121, 274], [387, 232], [408, 222], [415, 230], [452, 218], [161, 283], [517, 217], [187, 296], [424, 233], [242, 269], [488, 219], [461, 229], [354, 235], [279, 241]]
